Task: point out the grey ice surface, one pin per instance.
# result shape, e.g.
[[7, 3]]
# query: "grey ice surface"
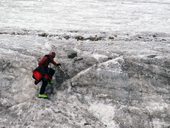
[[118, 81], [120, 77]]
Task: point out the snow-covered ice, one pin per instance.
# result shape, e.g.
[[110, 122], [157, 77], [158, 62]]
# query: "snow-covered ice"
[[87, 15], [119, 79]]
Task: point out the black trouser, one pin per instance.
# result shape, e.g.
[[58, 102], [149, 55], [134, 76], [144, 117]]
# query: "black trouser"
[[44, 71], [44, 85]]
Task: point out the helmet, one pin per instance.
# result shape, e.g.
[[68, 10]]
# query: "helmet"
[[52, 54]]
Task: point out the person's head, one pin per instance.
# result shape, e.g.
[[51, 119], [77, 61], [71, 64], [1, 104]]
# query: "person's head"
[[52, 54]]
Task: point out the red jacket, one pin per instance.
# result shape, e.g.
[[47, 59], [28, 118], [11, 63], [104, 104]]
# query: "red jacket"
[[46, 60]]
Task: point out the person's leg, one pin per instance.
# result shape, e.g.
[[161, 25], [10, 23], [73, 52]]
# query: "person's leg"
[[42, 90], [50, 74], [44, 85]]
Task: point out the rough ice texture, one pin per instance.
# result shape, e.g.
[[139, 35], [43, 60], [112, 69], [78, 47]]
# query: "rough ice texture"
[[121, 83], [120, 77]]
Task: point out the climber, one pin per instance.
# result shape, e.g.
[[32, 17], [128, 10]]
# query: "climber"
[[44, 73]]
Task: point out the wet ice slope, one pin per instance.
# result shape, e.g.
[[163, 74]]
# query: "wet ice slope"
[[120, 78], [90, 15], [117, 81]]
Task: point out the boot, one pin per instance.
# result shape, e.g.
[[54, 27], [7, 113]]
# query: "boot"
[[45, 96]]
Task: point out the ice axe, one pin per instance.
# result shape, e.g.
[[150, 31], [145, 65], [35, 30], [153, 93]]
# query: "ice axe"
[[61, 69], [64, 71]]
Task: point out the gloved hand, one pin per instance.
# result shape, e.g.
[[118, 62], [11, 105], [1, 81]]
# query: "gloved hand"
[[58, 64]]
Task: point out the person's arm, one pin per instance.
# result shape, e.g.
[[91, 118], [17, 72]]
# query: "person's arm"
[[55, 63]]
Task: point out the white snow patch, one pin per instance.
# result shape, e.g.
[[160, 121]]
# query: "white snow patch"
[[156, 106], [105, 113], [83, 72], [157, 123], [48, 46], [89, 15], [99, 56], [113, 65]]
